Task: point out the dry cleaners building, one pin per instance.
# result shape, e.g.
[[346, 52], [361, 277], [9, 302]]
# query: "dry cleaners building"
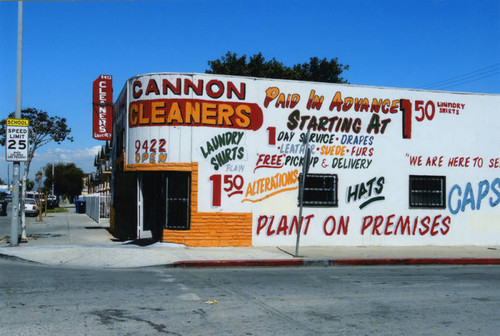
[[209, 160]]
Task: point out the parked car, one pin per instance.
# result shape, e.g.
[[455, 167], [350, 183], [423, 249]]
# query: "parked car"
[[32, 195], [30, 207], [3, 208]]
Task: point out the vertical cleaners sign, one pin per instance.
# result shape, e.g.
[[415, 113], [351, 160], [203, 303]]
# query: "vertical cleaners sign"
[[102, 106]]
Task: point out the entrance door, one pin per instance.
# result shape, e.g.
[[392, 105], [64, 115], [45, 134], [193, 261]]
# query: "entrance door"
[[146, 213], [178, 185], [154, 203], [163, 202], [140, 208]]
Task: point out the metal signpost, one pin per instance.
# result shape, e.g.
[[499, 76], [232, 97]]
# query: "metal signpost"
[[305, 170], [16, 150], [15, 174]]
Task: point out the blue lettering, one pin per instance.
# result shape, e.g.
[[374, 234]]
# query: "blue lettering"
[[484, 188], [495, 188], [456, 187], [473, 198], [468, 197]]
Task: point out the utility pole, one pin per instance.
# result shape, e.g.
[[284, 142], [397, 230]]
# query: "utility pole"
[[53, 180], [14, 228]]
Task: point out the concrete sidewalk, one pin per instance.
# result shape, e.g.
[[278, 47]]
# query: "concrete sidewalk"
[[72, 239]]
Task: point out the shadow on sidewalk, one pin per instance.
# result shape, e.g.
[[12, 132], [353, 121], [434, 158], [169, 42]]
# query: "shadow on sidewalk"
[[141, 242]]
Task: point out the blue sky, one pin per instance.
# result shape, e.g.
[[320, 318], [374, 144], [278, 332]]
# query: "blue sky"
[[394, 43]]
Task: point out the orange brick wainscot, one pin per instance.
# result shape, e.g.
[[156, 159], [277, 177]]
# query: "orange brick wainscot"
[[207, 229]]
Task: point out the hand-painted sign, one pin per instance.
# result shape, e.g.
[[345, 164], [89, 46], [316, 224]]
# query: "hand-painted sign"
[[387, 166], [102, 107]]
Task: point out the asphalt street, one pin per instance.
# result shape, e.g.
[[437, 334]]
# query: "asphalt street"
[[382, 300]]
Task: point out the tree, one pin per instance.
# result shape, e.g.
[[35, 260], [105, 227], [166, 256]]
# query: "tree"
[[43, 129], [317, 70], [38, 180], [49, 181], [68, 179], [29, 185]]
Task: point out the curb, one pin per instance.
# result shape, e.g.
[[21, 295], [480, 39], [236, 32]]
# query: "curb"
[[332, 262], [415, 261], [15, 258], [238, 263]]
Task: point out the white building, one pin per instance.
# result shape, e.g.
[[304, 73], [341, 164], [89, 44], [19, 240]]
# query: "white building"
[[210, 160]]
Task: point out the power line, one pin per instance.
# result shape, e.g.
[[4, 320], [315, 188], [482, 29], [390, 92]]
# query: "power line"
[[473, 80], [468, 74], [491, 70]]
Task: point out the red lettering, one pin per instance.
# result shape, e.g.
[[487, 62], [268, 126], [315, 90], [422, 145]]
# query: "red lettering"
[[385, 105], [343, 225], [188, 84], [283, 226], [367, 221], [308, 221], [425, 223], [329, 218], [231, 88], [494, 163], [347, 104], [152, 87], [435, 224], [136, 89], [269, 231], [404, 224], [379, 220], [261, 158], [168, 85], [388, 225], [261, 223], [342, 228], [211, 92], [459, 162], [384, 225], [446, 224], [415, 222], [435, 161], [295, 223]]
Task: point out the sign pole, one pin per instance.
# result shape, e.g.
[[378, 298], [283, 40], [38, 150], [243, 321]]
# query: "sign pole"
[[14, 239], [305, 170]]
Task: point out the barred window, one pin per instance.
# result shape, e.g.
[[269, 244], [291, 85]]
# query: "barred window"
[[427, 191], [178, 203], [319, 190]]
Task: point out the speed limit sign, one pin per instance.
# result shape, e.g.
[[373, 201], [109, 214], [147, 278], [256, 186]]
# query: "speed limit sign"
[[17, 140]]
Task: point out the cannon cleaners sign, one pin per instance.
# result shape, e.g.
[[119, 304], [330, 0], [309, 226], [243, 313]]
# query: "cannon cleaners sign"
[[102, 106], [17, 140]]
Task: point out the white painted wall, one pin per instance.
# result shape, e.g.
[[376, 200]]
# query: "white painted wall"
[[470, 132]]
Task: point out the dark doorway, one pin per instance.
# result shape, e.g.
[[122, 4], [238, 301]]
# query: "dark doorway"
[[125, 205], [166, 201], [153, 191]]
